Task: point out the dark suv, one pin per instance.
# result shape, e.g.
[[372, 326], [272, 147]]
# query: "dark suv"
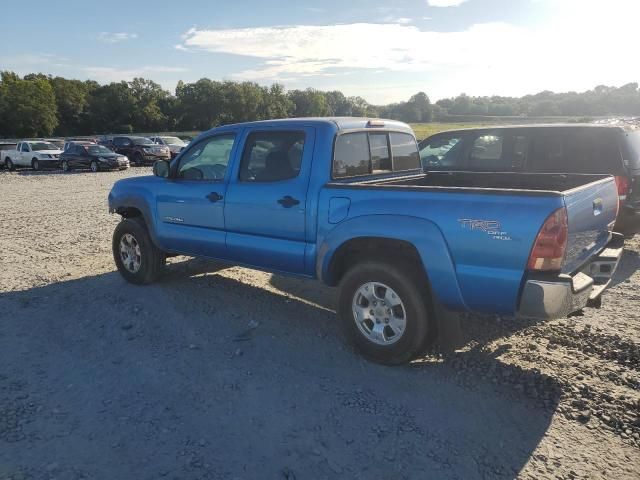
[[556, 148], [140, 150]]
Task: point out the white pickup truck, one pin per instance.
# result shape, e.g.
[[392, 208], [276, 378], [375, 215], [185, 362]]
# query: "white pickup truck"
[[36, 154]]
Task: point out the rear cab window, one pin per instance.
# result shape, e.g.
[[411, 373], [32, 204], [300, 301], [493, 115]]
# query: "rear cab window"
[[373, 153]]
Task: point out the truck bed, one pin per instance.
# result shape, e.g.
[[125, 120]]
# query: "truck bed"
[[492, 181], [511, 208]]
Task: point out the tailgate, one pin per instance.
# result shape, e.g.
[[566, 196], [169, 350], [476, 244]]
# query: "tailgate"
[[591, 212]]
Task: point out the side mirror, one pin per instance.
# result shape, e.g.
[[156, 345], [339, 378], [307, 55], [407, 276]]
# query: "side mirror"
[[161, 168]]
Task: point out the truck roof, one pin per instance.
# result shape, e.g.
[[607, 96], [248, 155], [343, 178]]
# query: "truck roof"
[[339, 123]]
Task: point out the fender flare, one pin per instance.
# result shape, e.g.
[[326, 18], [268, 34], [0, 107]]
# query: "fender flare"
[[423, 234], [138, 201]]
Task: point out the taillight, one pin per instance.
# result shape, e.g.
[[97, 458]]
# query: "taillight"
[[624, 187], [548, 250]]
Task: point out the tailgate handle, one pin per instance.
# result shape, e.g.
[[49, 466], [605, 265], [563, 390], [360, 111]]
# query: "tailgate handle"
[[597, 207]]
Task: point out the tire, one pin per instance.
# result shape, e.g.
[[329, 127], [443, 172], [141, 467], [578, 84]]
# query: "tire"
[[8, 164], [65, 166], [94, 166], [138, 160], [391, 285], [35, 164], [151, 258]]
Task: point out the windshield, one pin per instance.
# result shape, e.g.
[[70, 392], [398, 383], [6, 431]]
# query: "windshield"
[[98, 150], [142, 141], [37, 146], [441, 153], [172, 141]]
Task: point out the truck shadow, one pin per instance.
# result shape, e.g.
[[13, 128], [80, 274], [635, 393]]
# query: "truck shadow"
[[96, 362], [629, 264]]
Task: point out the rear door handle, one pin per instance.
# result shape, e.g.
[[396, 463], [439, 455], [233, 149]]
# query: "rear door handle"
[[214, 196], [288, 201]]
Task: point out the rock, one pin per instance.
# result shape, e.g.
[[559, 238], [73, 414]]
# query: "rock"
[[584, 416], [126, 326]]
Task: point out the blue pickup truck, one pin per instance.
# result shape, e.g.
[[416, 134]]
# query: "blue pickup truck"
[[344, 200]]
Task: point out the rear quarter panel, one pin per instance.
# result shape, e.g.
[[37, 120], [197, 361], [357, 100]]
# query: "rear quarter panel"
[[474, 246]]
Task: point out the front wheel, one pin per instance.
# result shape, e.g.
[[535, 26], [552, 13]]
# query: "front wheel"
[[94, 166], [65, 166], [35, 164], [138, 160], [383, 311], [138, 260]]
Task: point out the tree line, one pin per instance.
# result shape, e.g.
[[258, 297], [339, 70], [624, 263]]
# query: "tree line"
[[601, 101], [39, 105]]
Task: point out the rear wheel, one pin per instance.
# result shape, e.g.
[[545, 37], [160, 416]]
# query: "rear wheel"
[[35, 164], [65, 166], [94, 166], [138, 260], [383, 311], [8, 164], [138, 160]]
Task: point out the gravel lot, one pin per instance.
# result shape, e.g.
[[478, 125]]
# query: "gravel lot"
[[220, 372]]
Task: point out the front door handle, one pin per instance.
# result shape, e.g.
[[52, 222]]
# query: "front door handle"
[[288, 201], [214, 196]]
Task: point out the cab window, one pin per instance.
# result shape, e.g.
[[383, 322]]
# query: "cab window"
[[207, 160], [272, 156], [486, 153]]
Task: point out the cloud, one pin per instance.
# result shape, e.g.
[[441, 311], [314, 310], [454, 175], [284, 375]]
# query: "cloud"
[[321, 50], [113, 74], [116, 37], [575, 48], [445, 3]]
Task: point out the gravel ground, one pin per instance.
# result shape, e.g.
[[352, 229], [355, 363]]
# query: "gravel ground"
[[220, 372]]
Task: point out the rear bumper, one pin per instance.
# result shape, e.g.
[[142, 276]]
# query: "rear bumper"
[[549, 296]]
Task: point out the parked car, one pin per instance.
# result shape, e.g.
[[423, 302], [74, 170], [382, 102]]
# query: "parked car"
[[70, 143], [175, 144], [346, 201], [95, 157], [5, 146], [559, 148], [140, 150], [36, 154], [81, 140]]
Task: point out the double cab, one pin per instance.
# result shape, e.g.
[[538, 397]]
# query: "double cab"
[[345, 201]]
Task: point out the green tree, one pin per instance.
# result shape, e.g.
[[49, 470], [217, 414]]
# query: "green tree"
[[276, 103], [147, 113], [111, 108], [309, 103], [27, 107], [72, 100]]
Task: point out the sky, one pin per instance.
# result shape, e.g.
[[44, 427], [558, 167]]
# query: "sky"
[[383, 51]]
